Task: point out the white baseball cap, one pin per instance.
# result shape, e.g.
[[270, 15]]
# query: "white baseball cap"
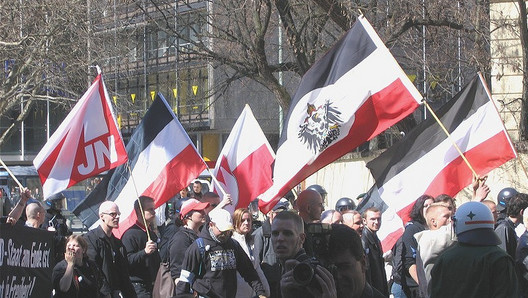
[[222, 219]]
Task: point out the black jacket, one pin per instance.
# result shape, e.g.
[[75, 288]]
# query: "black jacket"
[[109, 254], [409, 248], [142, 267], [375, 274], [263, 247], [178, 245], [506, 231], [87, 276], [214, 275]]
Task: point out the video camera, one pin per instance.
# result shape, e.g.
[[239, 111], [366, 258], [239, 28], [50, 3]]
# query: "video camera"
[[304, 273]]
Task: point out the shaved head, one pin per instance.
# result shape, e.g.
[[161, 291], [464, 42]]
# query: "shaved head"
[[105, 206], [33, 209], [310, 205]]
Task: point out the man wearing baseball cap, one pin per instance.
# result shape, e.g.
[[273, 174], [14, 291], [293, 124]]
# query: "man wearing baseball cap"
[[475, 266], [211, 262], [192, 213]]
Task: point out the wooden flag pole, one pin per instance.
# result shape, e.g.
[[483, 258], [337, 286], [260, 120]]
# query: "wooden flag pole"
[[139, 202], [450, 138], [12, 175], [214, 180]]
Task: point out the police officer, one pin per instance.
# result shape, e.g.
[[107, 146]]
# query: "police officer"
[[345, 204], [56, 222], [502, 202]]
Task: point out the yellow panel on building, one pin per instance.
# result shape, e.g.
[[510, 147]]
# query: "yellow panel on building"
[[210, 146]]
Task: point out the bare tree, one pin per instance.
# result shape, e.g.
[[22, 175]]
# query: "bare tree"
[[439, 44], [43, 50]]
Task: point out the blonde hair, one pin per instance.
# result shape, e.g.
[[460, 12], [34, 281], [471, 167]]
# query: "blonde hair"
[[432, 211], [237, 217]]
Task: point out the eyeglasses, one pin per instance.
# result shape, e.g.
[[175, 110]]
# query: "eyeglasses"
[[227, 233], [112, 214]]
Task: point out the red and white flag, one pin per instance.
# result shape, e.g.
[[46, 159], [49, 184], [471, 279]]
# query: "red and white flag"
[[426, 162], [86, 143], [353, 93], [244, 167], [163, 161]]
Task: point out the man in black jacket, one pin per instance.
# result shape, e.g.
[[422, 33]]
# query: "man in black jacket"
[[211, 262], [376, 275], [506, 228], [109, 254], [142, 252]]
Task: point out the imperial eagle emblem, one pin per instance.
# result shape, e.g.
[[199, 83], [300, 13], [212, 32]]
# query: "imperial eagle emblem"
[[320, 127]]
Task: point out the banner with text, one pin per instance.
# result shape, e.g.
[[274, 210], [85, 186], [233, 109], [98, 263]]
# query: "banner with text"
[[27, 261]]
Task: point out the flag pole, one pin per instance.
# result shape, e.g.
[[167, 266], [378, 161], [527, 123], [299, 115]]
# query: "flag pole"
[[507, 134], [139, 201], [450, 138], [12, 175], [214, 180]]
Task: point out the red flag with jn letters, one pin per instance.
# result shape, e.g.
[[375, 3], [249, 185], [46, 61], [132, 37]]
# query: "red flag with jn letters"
[[86, 143]]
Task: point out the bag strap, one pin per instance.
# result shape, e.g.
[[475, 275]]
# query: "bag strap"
[[201, 248]]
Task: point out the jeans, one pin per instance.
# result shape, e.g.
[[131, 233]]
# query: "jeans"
[[397, 291]]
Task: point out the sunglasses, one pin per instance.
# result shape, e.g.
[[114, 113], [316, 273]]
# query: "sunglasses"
[[113, 214]]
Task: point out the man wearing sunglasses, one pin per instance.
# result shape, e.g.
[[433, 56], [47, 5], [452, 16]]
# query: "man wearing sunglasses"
[[211, 262], [109, 253]]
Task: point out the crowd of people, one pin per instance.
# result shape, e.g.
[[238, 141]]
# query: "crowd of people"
[[199, 249]]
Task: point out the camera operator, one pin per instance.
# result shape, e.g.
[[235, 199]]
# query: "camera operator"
[[345, 253], [287, 236]]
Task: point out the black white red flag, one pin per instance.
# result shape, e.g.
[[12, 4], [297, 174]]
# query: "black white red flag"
[[426, 162], [353, 93], [244, 167], [163, 161], [86, 143]]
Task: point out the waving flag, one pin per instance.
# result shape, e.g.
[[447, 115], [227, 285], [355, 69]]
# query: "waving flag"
[[163, 161], [426, 162], [244, 167], [353, 93], [85, 144]]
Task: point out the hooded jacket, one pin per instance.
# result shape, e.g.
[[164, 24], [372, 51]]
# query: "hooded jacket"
[[178, 245], [214, 275]]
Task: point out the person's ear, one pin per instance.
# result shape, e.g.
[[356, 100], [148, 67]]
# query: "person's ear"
[[302, 236]]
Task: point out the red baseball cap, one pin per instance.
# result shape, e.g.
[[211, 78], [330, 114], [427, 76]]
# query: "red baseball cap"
[[190, 205]]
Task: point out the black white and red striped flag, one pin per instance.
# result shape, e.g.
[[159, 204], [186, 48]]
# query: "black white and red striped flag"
[[353, 93], [163, 161], [426, 162]]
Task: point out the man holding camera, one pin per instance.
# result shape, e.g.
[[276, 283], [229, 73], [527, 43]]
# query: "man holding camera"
[[287, 236], [310, 206]]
